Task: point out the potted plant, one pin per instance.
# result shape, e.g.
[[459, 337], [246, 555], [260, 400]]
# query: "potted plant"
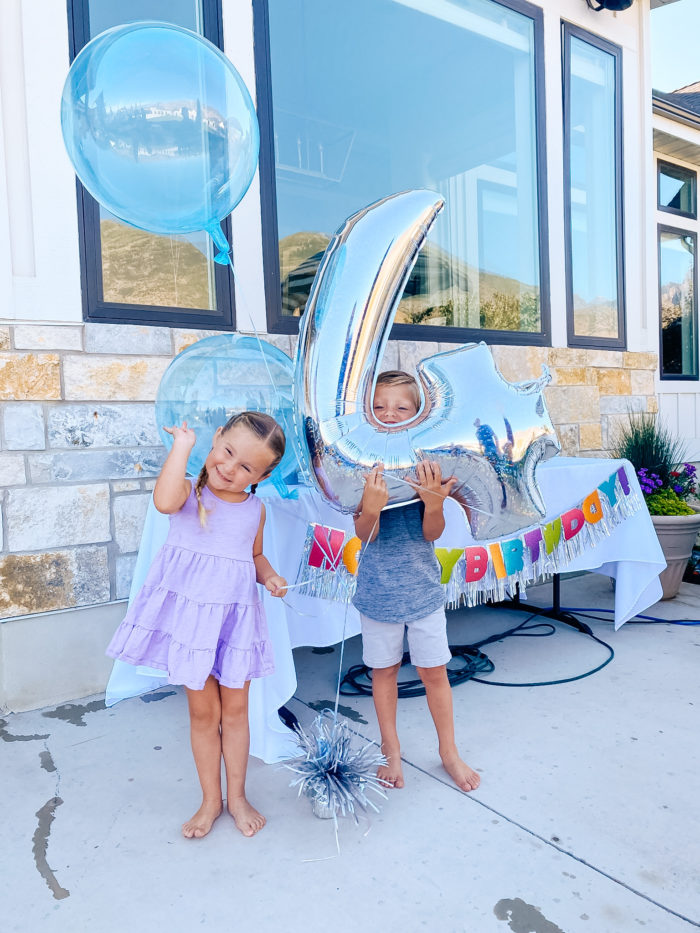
[[667, 482]]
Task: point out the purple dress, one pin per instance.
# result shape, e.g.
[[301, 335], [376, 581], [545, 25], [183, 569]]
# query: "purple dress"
[[199, 611]]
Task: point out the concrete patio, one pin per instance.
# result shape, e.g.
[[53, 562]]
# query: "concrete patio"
[[586, 820]]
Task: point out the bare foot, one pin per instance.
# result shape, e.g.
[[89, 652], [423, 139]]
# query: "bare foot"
[[202, 821], [464, 777], [391, 774], [245, 816]]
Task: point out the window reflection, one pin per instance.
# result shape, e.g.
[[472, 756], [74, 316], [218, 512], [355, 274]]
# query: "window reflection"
[[379, 96], [677, 189], [140, 268], [677, 299], [591, 126]]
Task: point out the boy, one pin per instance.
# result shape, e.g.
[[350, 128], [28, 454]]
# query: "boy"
[[398, 588]]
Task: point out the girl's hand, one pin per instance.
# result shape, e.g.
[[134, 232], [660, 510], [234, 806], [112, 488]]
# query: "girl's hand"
[[431, 488], [276, 585], [182, 436], [376, 495]]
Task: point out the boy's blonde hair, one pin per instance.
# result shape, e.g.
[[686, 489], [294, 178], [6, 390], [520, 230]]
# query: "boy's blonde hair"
[[397, 377], [264, 427]]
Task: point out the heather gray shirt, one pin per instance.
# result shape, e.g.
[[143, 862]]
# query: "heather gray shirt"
[[398, 579]]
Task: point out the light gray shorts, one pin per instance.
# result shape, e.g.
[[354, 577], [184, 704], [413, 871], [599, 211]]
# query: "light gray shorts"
[[382, 642]]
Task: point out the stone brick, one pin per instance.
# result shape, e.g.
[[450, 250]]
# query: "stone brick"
[[182, 339], [129, 516], [283, 342], [24, 426], [48, 337], [612, 425], [590, 437], [45, 517], [568, 435], [4, 338], [519, 364], [112, 378], [652, 404], [127, 485], [603, 359], [566, 356], [29, 376], [642, 382], [149, 484], [614, 381], [620, 404], [53, 580], [572, 404], [12, 471], [576, 376], [640, 361], [93, 465], [125, 566], [128, 338], [98, 425]]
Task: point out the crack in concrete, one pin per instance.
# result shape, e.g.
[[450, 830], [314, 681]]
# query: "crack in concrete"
[[40, 845], [8, 737], [74, 712], [523, 917]]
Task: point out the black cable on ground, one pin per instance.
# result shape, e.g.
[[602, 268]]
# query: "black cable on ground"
[[358, 680]]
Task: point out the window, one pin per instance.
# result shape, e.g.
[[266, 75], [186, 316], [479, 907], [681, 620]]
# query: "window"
[[128, 275], [593, 190], [678, 303], [677, 190], [360, 100]]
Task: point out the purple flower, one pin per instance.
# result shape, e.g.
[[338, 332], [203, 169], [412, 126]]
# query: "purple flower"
[[678, 489]]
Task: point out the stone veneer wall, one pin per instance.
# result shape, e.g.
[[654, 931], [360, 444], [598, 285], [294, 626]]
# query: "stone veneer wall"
[[79, 448]]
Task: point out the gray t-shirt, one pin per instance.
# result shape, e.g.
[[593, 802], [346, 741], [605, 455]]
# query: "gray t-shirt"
[[398, 579]]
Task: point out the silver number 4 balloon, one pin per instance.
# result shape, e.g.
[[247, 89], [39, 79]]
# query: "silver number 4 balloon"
[[488, 433]]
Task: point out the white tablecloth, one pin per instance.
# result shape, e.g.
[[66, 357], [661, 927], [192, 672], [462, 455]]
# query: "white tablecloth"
[[631, 554]]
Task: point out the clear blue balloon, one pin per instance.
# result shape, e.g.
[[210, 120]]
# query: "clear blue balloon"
[[220, 376], [160, 128]]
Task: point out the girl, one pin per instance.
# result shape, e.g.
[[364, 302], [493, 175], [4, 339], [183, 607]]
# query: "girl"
[[198, 615]]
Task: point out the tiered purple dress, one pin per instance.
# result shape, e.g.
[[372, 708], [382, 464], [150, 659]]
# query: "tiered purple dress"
[[199, 611]]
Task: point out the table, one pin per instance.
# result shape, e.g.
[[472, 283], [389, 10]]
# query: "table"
[[631, 555]]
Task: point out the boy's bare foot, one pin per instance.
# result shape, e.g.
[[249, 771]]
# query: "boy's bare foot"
[[464, 777], [202, 821], [391, 774], [245, 816]]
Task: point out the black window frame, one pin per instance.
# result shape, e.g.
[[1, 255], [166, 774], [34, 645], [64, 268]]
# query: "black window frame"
[[674, 377], [277, 323], [569, 31], [660, 165], [95, 309]]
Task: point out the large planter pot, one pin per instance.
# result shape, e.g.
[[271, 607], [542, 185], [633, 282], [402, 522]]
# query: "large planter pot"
[[676, 534]]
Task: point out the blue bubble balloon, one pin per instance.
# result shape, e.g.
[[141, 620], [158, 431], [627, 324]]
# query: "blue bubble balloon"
[[160, 129], [219, 376]]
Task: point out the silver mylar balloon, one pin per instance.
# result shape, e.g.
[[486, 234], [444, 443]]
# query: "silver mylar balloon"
[[487, 432]]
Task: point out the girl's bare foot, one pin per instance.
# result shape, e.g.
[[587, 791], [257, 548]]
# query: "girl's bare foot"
[[245, 816], [202, 821], [391, 774], [464, 777]]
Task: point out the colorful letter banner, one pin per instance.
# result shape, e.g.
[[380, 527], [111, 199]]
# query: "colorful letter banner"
[[482, 572]]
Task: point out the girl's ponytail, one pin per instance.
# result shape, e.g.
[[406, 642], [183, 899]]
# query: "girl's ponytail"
[[253, 487], [198, 486]]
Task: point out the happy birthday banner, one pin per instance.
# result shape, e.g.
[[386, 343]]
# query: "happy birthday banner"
[[482, 572]]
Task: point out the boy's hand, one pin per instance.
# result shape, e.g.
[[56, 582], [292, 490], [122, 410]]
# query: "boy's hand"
[[182, 436], [376, 495], [431, 488], [276, 585]]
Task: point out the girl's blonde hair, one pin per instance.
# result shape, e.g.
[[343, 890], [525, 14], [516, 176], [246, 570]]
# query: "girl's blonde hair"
[[264, 427]]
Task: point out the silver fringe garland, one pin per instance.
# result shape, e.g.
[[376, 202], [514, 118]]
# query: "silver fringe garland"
[[339, 584]]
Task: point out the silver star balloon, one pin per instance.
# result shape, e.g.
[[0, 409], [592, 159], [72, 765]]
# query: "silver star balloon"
[[486, 432]]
